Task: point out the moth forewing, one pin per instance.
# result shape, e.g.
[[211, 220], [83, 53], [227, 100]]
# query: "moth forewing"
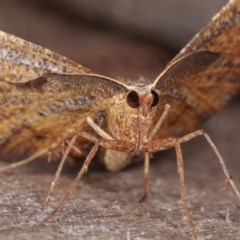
[[22, 60]]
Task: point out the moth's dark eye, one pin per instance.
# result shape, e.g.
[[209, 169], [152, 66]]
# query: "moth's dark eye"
[[155, 98], [133, 99]]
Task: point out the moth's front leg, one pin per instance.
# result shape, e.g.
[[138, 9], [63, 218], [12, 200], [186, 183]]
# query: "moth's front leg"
[[117, 145], [116, 155]]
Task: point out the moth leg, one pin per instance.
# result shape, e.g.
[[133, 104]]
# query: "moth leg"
[[219, 157], [163, 144], [60, 167], [117, 145], [63, 159], [180, 169], [114, 160], [73, 185], [145, 178], [147, 156], [76, 149]]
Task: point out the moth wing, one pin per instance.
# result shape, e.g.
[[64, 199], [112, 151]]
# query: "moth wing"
[[43, 94], [21, 60], [202, 78], [36, 113]]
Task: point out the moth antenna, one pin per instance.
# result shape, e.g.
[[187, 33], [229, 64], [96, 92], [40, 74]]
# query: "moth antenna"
[[73, 185], [159, 122], [219, 157], [98, 129], [60, 167], [26, 160]]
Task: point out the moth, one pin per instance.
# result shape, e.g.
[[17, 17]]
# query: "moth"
[[47, 99]]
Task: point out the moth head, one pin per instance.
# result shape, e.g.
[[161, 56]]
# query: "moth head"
[[142, 98]]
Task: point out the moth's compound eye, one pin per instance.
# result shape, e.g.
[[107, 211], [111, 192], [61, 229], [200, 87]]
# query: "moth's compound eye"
[[155, 98], [133, 99]]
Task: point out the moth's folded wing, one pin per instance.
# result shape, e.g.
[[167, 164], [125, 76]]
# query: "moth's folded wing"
[[200, 80], [35, 114], [21, 60], [33, 120]]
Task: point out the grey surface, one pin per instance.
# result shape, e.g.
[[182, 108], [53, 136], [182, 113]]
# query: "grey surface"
[[174, 21], [171, 21], [105, 205]]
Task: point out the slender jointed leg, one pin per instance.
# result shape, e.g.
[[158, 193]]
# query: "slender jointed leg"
[[60, 167], [215, 150], [145, 178], [73, 185], [182, 187]]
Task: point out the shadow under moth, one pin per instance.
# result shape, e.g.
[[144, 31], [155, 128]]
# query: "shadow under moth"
[[47, 99]]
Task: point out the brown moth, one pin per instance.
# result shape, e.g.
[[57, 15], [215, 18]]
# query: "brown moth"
[[123, 118]]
